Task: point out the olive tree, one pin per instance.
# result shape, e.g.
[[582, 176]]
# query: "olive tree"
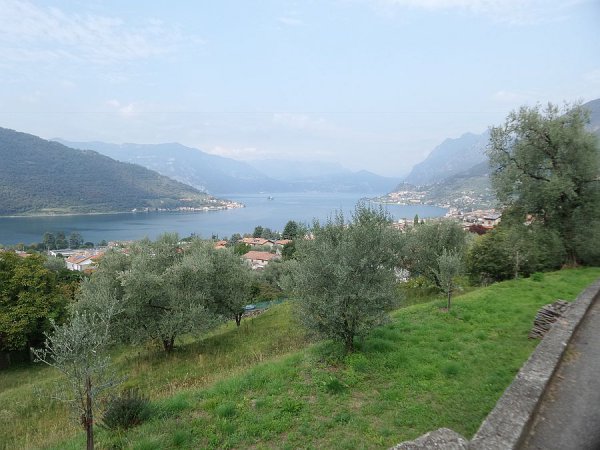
[[545, 165], [157, 299], [78, 350], [449, 267], [425, 244], [344, 278], [219, 277]]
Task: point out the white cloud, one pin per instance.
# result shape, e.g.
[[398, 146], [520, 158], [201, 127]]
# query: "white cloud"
[[290, 21], [511, 11], [126, 110], [32, 33]]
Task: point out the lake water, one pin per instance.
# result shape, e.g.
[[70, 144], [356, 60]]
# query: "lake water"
[[301, 207]]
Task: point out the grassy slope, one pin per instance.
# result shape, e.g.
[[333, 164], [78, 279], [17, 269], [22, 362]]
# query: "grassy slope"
[[424, 370]]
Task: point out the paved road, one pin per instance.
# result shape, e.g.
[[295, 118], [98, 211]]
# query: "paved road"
[[569, 416]]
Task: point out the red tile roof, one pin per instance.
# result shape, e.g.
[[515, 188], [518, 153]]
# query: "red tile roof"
[[255, 241], [261, 256], [76, 259]]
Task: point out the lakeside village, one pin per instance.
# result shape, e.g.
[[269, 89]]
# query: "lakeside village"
[[470, 210], [215, 205], [261, 251]]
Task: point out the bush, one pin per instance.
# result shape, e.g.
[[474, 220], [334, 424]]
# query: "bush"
[[538, 276], [127, 410], [513, 250]]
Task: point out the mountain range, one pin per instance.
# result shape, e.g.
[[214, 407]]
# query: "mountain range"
[[220, 175], [451, 157], [40, 176], [458, 167]]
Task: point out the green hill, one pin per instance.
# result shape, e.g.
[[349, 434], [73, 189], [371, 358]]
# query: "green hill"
[[265, 386], [39, 176]]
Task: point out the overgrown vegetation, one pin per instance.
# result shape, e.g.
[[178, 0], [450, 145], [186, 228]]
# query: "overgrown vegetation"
[[126, 410], [31, 295], [257, 386]]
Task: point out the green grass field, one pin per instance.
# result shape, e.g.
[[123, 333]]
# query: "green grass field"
[[266, 386]]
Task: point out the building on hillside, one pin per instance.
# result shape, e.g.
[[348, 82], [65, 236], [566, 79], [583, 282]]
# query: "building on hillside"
[[259, 260], [65, 252], [491, 220], [220, 244], [83, 263], [258, 242], [282, 242]]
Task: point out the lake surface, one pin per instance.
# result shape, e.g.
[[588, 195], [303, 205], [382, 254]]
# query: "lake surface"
[[301, 207]]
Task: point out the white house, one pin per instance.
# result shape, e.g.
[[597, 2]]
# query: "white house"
[[83, 262]]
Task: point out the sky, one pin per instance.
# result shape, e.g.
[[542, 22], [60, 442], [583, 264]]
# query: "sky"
[[369, 84]]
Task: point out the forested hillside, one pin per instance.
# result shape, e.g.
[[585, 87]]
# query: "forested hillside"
[[40, 176]]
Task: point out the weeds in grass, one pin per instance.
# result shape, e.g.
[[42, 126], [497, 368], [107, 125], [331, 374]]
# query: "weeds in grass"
[[334, 386], [226, 409], [126, 410]]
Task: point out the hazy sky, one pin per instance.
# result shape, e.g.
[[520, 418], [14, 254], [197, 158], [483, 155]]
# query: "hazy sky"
[[372, 84]]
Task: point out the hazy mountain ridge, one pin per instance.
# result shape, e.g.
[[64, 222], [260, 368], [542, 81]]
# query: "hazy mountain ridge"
[[456, 156], [211, 173], [471, 183], [594, 108], [362, 181], [450, 158], [217, 174], [40, 176], [285, 170]]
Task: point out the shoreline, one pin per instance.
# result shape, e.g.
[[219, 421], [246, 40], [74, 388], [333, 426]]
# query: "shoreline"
[[198, 210], [123, 225]]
